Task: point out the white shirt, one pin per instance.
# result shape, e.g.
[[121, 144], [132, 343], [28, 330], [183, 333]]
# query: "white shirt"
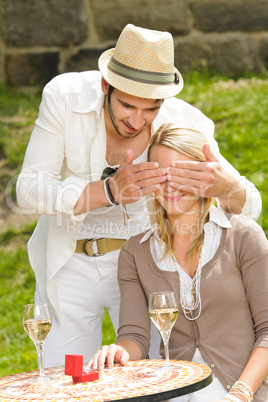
[[67, 150]]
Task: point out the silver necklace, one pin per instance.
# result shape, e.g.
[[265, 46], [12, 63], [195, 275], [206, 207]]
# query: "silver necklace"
[[189, 308]]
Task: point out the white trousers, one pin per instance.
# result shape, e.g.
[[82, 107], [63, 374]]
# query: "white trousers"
[[211, 393], [85, 285]]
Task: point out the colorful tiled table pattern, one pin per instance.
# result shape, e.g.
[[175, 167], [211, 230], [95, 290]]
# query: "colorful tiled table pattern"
[[138, 380]]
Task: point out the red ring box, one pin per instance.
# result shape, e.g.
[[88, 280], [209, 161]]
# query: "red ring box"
[[74, 367]]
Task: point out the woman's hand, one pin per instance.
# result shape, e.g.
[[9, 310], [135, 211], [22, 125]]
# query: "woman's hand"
[[220, 400], [109, 354], [225, 400]]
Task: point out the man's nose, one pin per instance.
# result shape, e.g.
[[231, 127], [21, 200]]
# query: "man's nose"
[[136, 119]]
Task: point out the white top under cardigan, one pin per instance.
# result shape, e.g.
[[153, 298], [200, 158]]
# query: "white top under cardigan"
[[212, 238]]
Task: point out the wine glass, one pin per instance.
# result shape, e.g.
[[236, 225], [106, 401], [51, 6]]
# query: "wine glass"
[[163, 311], [37, 324]]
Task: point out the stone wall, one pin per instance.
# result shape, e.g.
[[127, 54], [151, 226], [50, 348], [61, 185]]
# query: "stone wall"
[[42, 38]]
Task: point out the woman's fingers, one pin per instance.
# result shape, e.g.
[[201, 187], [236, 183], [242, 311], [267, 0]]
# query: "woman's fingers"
[[108, 354]]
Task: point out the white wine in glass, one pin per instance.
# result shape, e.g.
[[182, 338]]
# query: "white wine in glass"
[[37, 324], [163, 311]]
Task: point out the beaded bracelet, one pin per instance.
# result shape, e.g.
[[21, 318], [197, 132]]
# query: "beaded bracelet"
[[241, 388], [231, 398]]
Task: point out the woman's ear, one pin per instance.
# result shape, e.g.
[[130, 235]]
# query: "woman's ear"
[[104, 86]]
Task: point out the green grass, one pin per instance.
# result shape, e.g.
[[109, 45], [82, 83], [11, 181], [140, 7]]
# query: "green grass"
[[239, 109], [18, 111], [17, 351]]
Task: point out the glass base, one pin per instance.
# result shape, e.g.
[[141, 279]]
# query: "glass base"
[[27, 382], [165, 370], [41, 379]]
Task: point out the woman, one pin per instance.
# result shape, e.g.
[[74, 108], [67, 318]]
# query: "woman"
[[217, 265]]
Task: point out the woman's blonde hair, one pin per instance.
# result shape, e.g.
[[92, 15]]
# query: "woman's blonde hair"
[[190, 142]]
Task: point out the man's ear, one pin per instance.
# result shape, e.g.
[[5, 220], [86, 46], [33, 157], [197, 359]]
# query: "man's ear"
[[104, 86]]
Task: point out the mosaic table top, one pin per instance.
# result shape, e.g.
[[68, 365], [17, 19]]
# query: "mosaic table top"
[[138, 380]]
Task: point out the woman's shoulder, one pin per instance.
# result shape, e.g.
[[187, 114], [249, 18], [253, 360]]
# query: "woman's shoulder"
[[136, 242], [246, 227], [245, 222]]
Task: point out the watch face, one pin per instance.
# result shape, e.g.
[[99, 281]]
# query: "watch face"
[[108, 172]]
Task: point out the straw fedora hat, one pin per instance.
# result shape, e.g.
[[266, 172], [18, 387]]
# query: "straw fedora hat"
[[142, 64]]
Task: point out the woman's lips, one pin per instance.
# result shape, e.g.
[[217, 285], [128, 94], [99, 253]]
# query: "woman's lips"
[[173, 198]]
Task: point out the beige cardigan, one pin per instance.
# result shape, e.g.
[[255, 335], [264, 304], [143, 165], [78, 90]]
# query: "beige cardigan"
[[234, 294]]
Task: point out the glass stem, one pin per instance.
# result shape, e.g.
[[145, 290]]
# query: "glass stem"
[[167, 353], [165, 336], [39, 348]]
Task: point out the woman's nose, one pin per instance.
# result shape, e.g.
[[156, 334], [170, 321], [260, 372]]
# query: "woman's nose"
[[166, 185]]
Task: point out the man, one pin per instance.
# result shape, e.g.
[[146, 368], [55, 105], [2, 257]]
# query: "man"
[[90, 123]]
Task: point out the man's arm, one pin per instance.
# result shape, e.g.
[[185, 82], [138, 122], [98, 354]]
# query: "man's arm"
[[129, 184]]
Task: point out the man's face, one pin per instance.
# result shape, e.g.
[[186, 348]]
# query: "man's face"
[[129, 114]]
